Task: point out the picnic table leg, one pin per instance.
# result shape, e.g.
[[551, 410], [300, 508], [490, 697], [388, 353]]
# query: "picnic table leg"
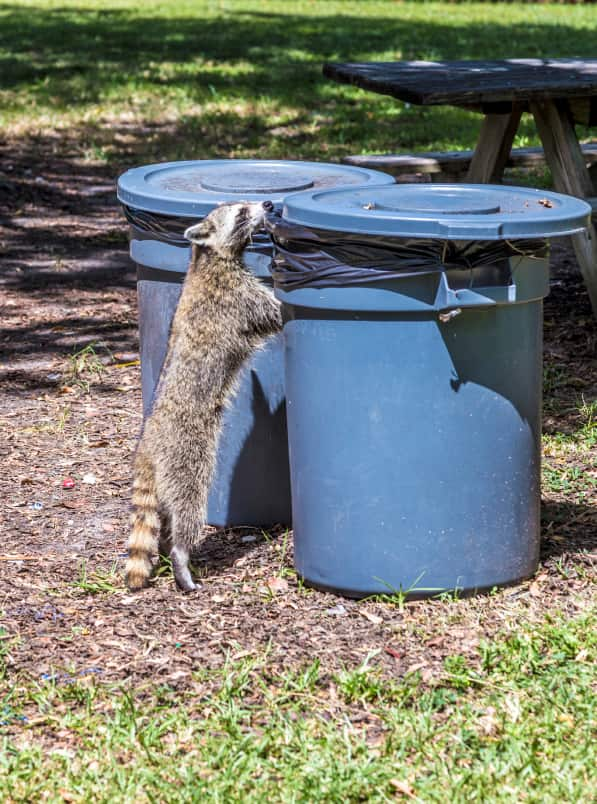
[[565, 159], [493, 147]]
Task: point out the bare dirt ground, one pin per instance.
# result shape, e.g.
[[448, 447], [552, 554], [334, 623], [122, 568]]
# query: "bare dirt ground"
[[67, 284]]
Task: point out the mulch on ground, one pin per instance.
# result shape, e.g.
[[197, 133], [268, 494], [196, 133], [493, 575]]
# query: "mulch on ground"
[[68, 288]]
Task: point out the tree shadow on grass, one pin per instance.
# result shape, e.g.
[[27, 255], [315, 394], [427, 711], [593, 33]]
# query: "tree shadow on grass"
[[74, 55], [71, 58]]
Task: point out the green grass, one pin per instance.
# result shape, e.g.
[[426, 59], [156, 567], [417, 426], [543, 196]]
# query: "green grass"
[[569, 457], [97, 583], [85, 366], [516, 724], [200, 78]]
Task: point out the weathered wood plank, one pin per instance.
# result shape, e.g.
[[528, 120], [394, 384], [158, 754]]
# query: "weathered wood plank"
[[570, 175], [472, 83], [494, 146], [454, 162]]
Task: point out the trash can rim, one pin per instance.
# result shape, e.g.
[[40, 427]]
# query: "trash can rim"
[[440, 211], [191, 188]]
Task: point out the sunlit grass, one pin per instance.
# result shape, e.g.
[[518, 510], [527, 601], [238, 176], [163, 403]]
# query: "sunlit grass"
[[244, 79]]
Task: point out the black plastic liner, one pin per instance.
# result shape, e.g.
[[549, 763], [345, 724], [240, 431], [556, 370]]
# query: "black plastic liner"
[[166, 228], [317, 258], [170, 229]]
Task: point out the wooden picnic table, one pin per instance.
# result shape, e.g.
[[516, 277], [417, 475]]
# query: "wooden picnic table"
[[557, 92]]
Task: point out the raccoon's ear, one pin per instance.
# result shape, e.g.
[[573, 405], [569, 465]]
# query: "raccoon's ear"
[[198, 232]]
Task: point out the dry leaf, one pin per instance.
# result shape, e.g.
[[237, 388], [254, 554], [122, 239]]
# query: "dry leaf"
[[418, 666], [488, 722], [401, 786], [18, 557], [337, 611], [127, 364], [373, 618], [277, 585], [513, 708]]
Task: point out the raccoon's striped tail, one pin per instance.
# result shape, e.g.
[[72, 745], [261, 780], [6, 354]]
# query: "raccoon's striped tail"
[[145, 524]]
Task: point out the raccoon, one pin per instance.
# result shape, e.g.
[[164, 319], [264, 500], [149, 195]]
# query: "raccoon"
[[223, 316]]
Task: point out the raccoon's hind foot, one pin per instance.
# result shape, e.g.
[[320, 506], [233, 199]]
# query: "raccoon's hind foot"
[[179, 556]]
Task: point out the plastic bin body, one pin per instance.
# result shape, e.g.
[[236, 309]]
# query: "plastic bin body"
[[415, 446], [414, 402], [251, 484]]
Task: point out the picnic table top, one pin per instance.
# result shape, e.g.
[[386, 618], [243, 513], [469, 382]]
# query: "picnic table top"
[[473, 84]]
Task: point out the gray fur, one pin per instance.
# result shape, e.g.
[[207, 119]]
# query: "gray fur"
[[224, 314]]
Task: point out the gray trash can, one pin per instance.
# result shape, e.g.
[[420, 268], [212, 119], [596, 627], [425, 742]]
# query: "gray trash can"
[[413, 340], [251, 482]]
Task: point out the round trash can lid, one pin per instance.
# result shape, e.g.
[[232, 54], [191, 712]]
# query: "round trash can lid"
[[447, 211], [192, 189]]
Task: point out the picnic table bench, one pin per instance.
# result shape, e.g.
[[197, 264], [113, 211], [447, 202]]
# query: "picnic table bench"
[[557, 92], [455, 164]]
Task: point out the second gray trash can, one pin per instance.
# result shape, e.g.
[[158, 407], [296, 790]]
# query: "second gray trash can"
[[413, 357]]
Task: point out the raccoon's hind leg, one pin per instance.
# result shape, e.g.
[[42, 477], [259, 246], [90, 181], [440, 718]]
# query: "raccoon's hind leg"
[[179, 555], [183, 536], [165, 540]]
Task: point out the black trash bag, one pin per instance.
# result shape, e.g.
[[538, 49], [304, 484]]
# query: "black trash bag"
[[317, 258], [170, 228]]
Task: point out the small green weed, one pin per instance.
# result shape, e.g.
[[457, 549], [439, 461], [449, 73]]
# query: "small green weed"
[[362, 684], [567, 479], [399, 597], [555, 376], [588, 430], [458, 672], [85, 366], [97, 583], [5, 640]]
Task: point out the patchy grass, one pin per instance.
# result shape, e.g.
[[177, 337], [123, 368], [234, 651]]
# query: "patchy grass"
[[98, 582], [517, 723], [569, 456]]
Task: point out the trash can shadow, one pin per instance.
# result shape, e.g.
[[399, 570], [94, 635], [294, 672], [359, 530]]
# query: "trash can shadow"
[[252, 476]]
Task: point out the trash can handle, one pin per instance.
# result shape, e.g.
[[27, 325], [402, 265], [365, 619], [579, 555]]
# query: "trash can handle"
[[447, 298]]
